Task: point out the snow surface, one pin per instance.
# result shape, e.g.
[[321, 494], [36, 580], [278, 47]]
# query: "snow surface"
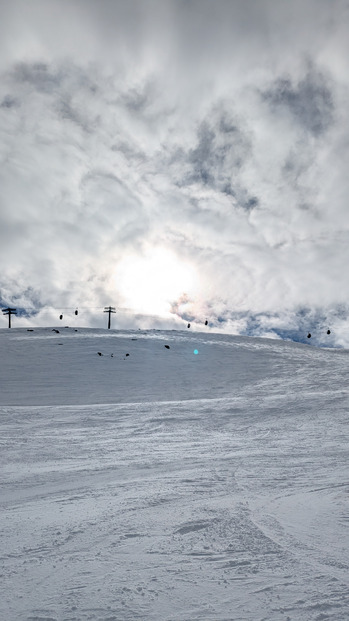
[[166, 485]]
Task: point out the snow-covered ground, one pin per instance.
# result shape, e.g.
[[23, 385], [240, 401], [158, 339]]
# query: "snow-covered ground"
[[167, 485]]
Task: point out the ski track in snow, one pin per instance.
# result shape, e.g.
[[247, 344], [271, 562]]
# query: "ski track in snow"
[[168, 486]]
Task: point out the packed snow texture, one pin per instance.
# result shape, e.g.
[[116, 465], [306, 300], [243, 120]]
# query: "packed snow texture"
[[166, 485]]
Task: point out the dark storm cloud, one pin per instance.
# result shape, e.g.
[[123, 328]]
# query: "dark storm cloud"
[[309, 101]]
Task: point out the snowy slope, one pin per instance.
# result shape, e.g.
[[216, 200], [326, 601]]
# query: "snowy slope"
[[168, 485], [44, 367]]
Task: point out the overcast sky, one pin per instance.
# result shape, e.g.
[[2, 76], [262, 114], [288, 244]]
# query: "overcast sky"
[[182, 159]]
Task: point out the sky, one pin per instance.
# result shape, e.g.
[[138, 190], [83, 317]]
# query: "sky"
[[180, 160]]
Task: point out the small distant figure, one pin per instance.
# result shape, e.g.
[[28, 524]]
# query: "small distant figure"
[[309, 335], [61, 317], [127, 355], [99, 353], [76, 312], [167, 346], [188, 326], [112, 355], [206, 323], [328, 331]]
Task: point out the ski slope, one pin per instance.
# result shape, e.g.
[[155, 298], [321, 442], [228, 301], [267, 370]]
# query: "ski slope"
[[172, 486]]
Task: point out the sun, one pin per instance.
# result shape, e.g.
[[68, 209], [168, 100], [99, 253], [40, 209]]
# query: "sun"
[[150, 283]]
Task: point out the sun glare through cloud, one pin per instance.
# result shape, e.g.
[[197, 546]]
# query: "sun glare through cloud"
[[130, 133], [151, 283]]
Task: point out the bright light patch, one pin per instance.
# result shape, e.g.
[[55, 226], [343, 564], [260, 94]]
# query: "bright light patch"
[[150, 283], [196, 351]]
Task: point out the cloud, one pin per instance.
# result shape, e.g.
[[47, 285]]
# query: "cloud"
[[309, 101], [215, 133], [220, 151]]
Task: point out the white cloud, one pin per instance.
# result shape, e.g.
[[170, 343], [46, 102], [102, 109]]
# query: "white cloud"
[[215, 131]]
